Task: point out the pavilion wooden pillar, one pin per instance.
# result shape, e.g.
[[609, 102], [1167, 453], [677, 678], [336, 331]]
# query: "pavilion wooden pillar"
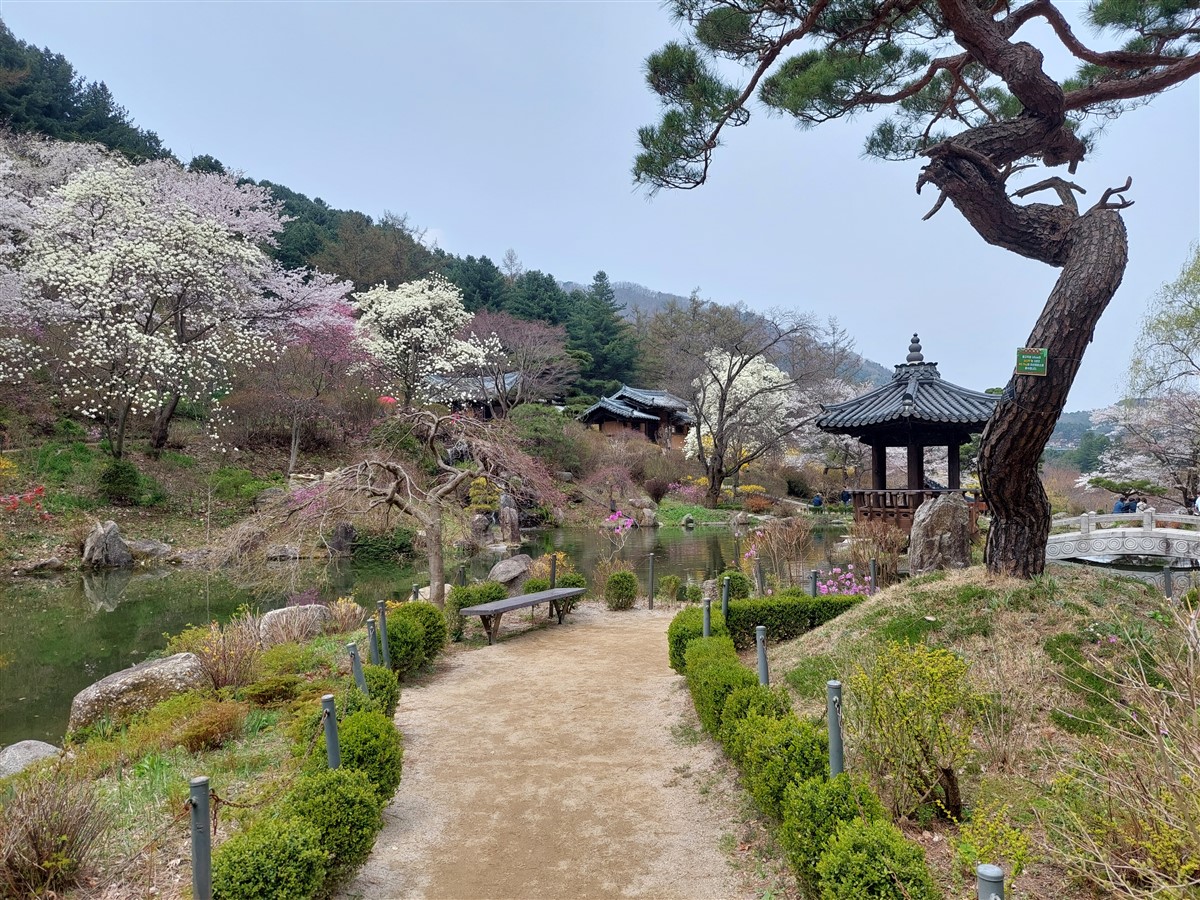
[[916, 466], [879, 466], [954, 465]]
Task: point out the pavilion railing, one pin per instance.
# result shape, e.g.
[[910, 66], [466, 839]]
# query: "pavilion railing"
[[898, 506]]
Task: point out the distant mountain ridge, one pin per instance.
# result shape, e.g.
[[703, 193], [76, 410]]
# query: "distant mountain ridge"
[[639, 298]]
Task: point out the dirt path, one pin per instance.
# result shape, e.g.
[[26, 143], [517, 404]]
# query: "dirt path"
[[546, 767]]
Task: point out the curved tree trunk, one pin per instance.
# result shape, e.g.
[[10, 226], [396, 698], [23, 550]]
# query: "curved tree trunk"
[[162, 423], [1019, 429]]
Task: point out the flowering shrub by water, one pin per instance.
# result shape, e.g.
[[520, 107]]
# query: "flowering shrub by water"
[[844, 581]]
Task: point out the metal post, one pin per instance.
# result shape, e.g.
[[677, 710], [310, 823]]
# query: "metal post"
[[991, 882], [874, 574], [707, 617], [1168, 587], [381, 608], [462, 576], [356, 668], [725, 599], [333, 752], [760, 638], [373, 642], [812, 582], [652, 581], [833, 715], [201, 840], [762, 579], [553, 570], [416, 593]]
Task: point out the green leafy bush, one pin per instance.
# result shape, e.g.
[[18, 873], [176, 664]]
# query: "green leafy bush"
[[212, 725], [120, 482], [432, 621], [713, 673], [786, 615], [687, 626], [230, 483], [345, 808], [273, 859], [383, 686], [754, 699], [571, 580], [462, 596], [813, 810], [285, 659], [620, 590], [777, 751], [382, 547], [406, 644], [740, 586], [910, 713], [693, 593], [370, 742], [668, 587], [533, 585], [873, 859], [549, 435]]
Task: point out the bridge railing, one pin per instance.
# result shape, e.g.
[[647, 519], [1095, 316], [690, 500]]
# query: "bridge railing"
[[1144, 521]]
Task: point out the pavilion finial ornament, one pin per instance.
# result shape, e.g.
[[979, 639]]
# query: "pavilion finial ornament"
[[914, 351]]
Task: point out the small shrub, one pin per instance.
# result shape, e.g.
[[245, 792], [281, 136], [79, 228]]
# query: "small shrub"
[[910, 715], [533, 585], [431, 619], [384, 687], [657, 488], [120, 482], [813, 810], [744, 701], [540, 567], [756, 504], [344, 616], [229, 655], [212, 725], [668, 587], [693, 593], [873, 859], [571, 580], [620, 590], [382, 547], [740, 585], [273, 859], [776, 751], [272, 689], [989, 837], [370, 742], [713, 673], [48, 831], [687, 626], [344, 807], [289, 659], [462, 596], [406, 644]]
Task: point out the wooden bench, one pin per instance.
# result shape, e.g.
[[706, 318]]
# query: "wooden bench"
[[490, 613]]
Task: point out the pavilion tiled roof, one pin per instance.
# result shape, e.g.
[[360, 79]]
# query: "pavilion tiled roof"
[[917, 395], [617, 408]]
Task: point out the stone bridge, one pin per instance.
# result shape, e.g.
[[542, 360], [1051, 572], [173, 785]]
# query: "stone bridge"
[[1130, 534]]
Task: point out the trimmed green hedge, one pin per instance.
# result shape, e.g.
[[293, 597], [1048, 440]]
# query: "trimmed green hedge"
[[432, 621], [742, 702], [873, 859], [814, 810], [687, 626], [713, 673], [274, 859], [778, 751], [786, 615], [344, 807]]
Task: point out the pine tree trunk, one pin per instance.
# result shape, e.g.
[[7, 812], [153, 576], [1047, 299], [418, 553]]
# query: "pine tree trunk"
[[1019, 429]]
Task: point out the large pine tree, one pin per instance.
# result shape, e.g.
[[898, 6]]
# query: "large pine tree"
[[597, 328]]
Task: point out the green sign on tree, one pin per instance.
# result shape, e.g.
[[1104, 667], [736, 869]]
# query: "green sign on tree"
[[1031, 361]]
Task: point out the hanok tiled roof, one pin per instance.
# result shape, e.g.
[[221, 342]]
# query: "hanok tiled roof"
[[916, 396], [661, 399], [616, 408]]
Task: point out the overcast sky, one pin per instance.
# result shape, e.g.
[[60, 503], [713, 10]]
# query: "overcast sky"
[[510, 124]]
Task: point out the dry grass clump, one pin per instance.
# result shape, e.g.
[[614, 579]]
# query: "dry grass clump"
[[296, 624], [344, 616], [227, 655], [780, 545], [878, 540], [49, 832], [213, 724]]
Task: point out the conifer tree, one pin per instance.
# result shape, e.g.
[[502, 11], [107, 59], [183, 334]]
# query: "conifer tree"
[[597, 328]]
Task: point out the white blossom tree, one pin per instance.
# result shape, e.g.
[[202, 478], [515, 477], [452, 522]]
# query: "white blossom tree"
[[1155, 446], [413, 331], [144, 286]]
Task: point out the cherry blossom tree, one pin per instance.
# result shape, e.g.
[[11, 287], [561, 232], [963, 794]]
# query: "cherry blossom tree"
[[1155, 443], [413, 331]]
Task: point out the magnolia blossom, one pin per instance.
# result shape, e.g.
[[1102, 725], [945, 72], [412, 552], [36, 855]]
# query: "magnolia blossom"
[[746, 401], [413, 332]]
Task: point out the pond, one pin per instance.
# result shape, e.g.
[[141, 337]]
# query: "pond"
[[60, 634]]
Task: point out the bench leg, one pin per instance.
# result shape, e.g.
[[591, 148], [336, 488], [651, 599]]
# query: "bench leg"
[[491, 625], [556, 609]]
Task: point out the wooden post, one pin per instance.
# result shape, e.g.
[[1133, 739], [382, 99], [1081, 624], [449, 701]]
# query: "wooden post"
[[916, 467], [879, 467], [954, 464]]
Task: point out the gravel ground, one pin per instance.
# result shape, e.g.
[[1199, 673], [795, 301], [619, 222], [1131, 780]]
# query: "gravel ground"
[[559, 763]]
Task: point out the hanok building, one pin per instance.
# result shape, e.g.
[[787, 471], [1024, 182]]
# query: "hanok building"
[[915, 410], [660, 416]]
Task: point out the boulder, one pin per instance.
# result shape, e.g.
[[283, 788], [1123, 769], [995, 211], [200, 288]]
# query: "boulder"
[[16, 757], [148, 549], [341, 540], [641, 503], [511, 571], [53, 564], [510, 525], [507, 501], [480, 524], [564, 476], [277, 552], [190, 558], [646, 518], [269, 497], [104, 549], [941, 535], [688, 521], [741, 518], [292, 623], [138, 688], [426, 593]]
